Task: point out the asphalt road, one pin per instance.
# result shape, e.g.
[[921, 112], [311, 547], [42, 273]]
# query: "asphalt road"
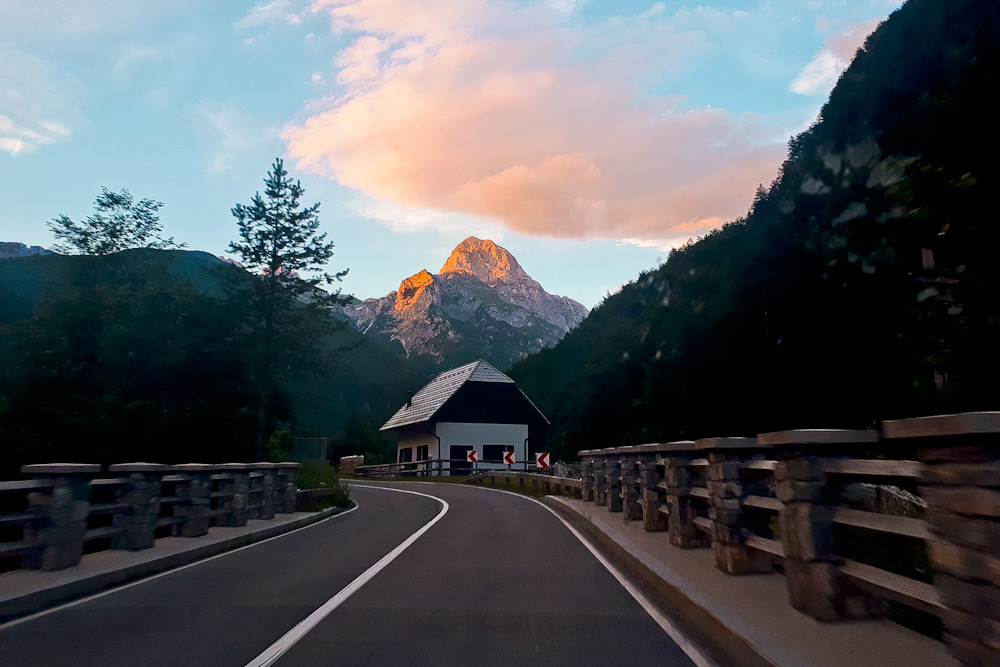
[[498, 580]]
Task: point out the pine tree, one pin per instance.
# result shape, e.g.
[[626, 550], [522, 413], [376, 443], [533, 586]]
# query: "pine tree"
[[288, 315]]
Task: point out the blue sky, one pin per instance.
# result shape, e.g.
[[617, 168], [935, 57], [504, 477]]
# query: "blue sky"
[[586, 137]]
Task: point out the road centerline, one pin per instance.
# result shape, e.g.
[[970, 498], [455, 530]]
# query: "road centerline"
[[270, 655]]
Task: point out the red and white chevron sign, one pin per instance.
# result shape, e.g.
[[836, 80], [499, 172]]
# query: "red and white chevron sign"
[[543, 459], [508, 457], [471, 456]]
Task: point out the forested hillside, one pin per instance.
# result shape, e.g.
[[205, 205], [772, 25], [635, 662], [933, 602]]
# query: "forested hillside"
[[862, 284], [139, 355]]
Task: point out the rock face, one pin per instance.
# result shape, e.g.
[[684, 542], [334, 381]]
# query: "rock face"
[[481, 305], [10, 249]]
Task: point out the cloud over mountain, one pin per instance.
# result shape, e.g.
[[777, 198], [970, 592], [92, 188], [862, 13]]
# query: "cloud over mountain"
[[517, 113]]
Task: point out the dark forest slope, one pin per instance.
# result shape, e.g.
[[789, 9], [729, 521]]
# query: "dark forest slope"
[[861, 285], [136, 356]]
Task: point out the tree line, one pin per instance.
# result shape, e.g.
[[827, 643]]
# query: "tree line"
[[141, 354]]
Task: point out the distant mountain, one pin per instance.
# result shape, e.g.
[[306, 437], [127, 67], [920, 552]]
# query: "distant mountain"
[[9, 249], [481, 304]]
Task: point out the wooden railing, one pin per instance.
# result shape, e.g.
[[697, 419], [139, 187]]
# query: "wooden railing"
[[861, 523], [66, 510]]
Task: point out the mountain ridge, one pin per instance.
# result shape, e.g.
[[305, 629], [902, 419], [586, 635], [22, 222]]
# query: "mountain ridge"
[[481, 303]]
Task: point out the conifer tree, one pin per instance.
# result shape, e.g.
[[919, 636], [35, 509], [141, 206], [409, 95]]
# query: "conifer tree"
[[288, 315]]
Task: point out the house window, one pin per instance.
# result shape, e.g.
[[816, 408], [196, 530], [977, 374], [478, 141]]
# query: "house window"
[[422, 454], [494, 453], [406, 455]]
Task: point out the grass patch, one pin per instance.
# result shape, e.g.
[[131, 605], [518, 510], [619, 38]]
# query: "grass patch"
[[527, 489], [318, 475], [314, 500]]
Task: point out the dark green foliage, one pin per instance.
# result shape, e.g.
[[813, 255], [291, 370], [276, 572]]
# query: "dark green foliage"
[[821, 307], [362, 436], [132, 356], [123, 362], [119, 223], [287, 320]]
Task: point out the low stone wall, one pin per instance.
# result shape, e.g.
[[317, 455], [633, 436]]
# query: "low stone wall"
[[848, 517], [538, 483], [67, 509], [349, 464]]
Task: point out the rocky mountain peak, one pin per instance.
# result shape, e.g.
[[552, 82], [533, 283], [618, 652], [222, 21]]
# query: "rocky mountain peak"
[[484, 260], [411, 289], [481, 305], [13, 249]]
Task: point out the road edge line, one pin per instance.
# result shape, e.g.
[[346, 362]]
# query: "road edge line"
[[692, 650], [271, 654], [171, 570]]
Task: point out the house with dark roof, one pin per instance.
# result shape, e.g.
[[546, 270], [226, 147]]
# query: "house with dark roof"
[[472, 407]]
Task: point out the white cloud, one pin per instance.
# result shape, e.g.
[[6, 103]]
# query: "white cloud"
[[36, 108], [63, 17], [666, 245], [269, 14], [231, 134], [132, 54], [822, 72]]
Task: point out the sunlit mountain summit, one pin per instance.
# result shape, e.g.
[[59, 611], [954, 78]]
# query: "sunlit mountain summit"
[[481, 304]]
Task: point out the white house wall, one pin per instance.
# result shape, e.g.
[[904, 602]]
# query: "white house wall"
[[477, 435]]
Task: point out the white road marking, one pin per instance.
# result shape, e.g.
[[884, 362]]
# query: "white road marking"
[[278, 648], [66, 605], [685, 644]]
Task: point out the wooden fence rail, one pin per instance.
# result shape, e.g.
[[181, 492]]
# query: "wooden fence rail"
[[65, 510], [857, 521]]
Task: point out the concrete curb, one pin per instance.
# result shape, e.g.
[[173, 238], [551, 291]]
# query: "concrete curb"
[[724, 644], [29, 603]]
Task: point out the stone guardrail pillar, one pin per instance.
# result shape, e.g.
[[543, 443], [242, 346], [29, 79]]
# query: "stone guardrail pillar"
[[653, 520], [679, 480], [255, 495], [143, 498], [612, 480], [961, 483], [600, 478], [195, 493], [269, 471], [59, 537], [812, 566], [726, 493], [237, 505], [629, 462], [286, 487], [587, 475]]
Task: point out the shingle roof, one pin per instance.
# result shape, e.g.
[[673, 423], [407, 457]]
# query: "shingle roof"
[[436, 393]]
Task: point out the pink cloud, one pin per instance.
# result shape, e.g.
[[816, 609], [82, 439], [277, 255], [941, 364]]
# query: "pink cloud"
[[487, 109]]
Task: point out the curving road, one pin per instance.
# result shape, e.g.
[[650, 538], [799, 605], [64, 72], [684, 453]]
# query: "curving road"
[[497, 580]]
